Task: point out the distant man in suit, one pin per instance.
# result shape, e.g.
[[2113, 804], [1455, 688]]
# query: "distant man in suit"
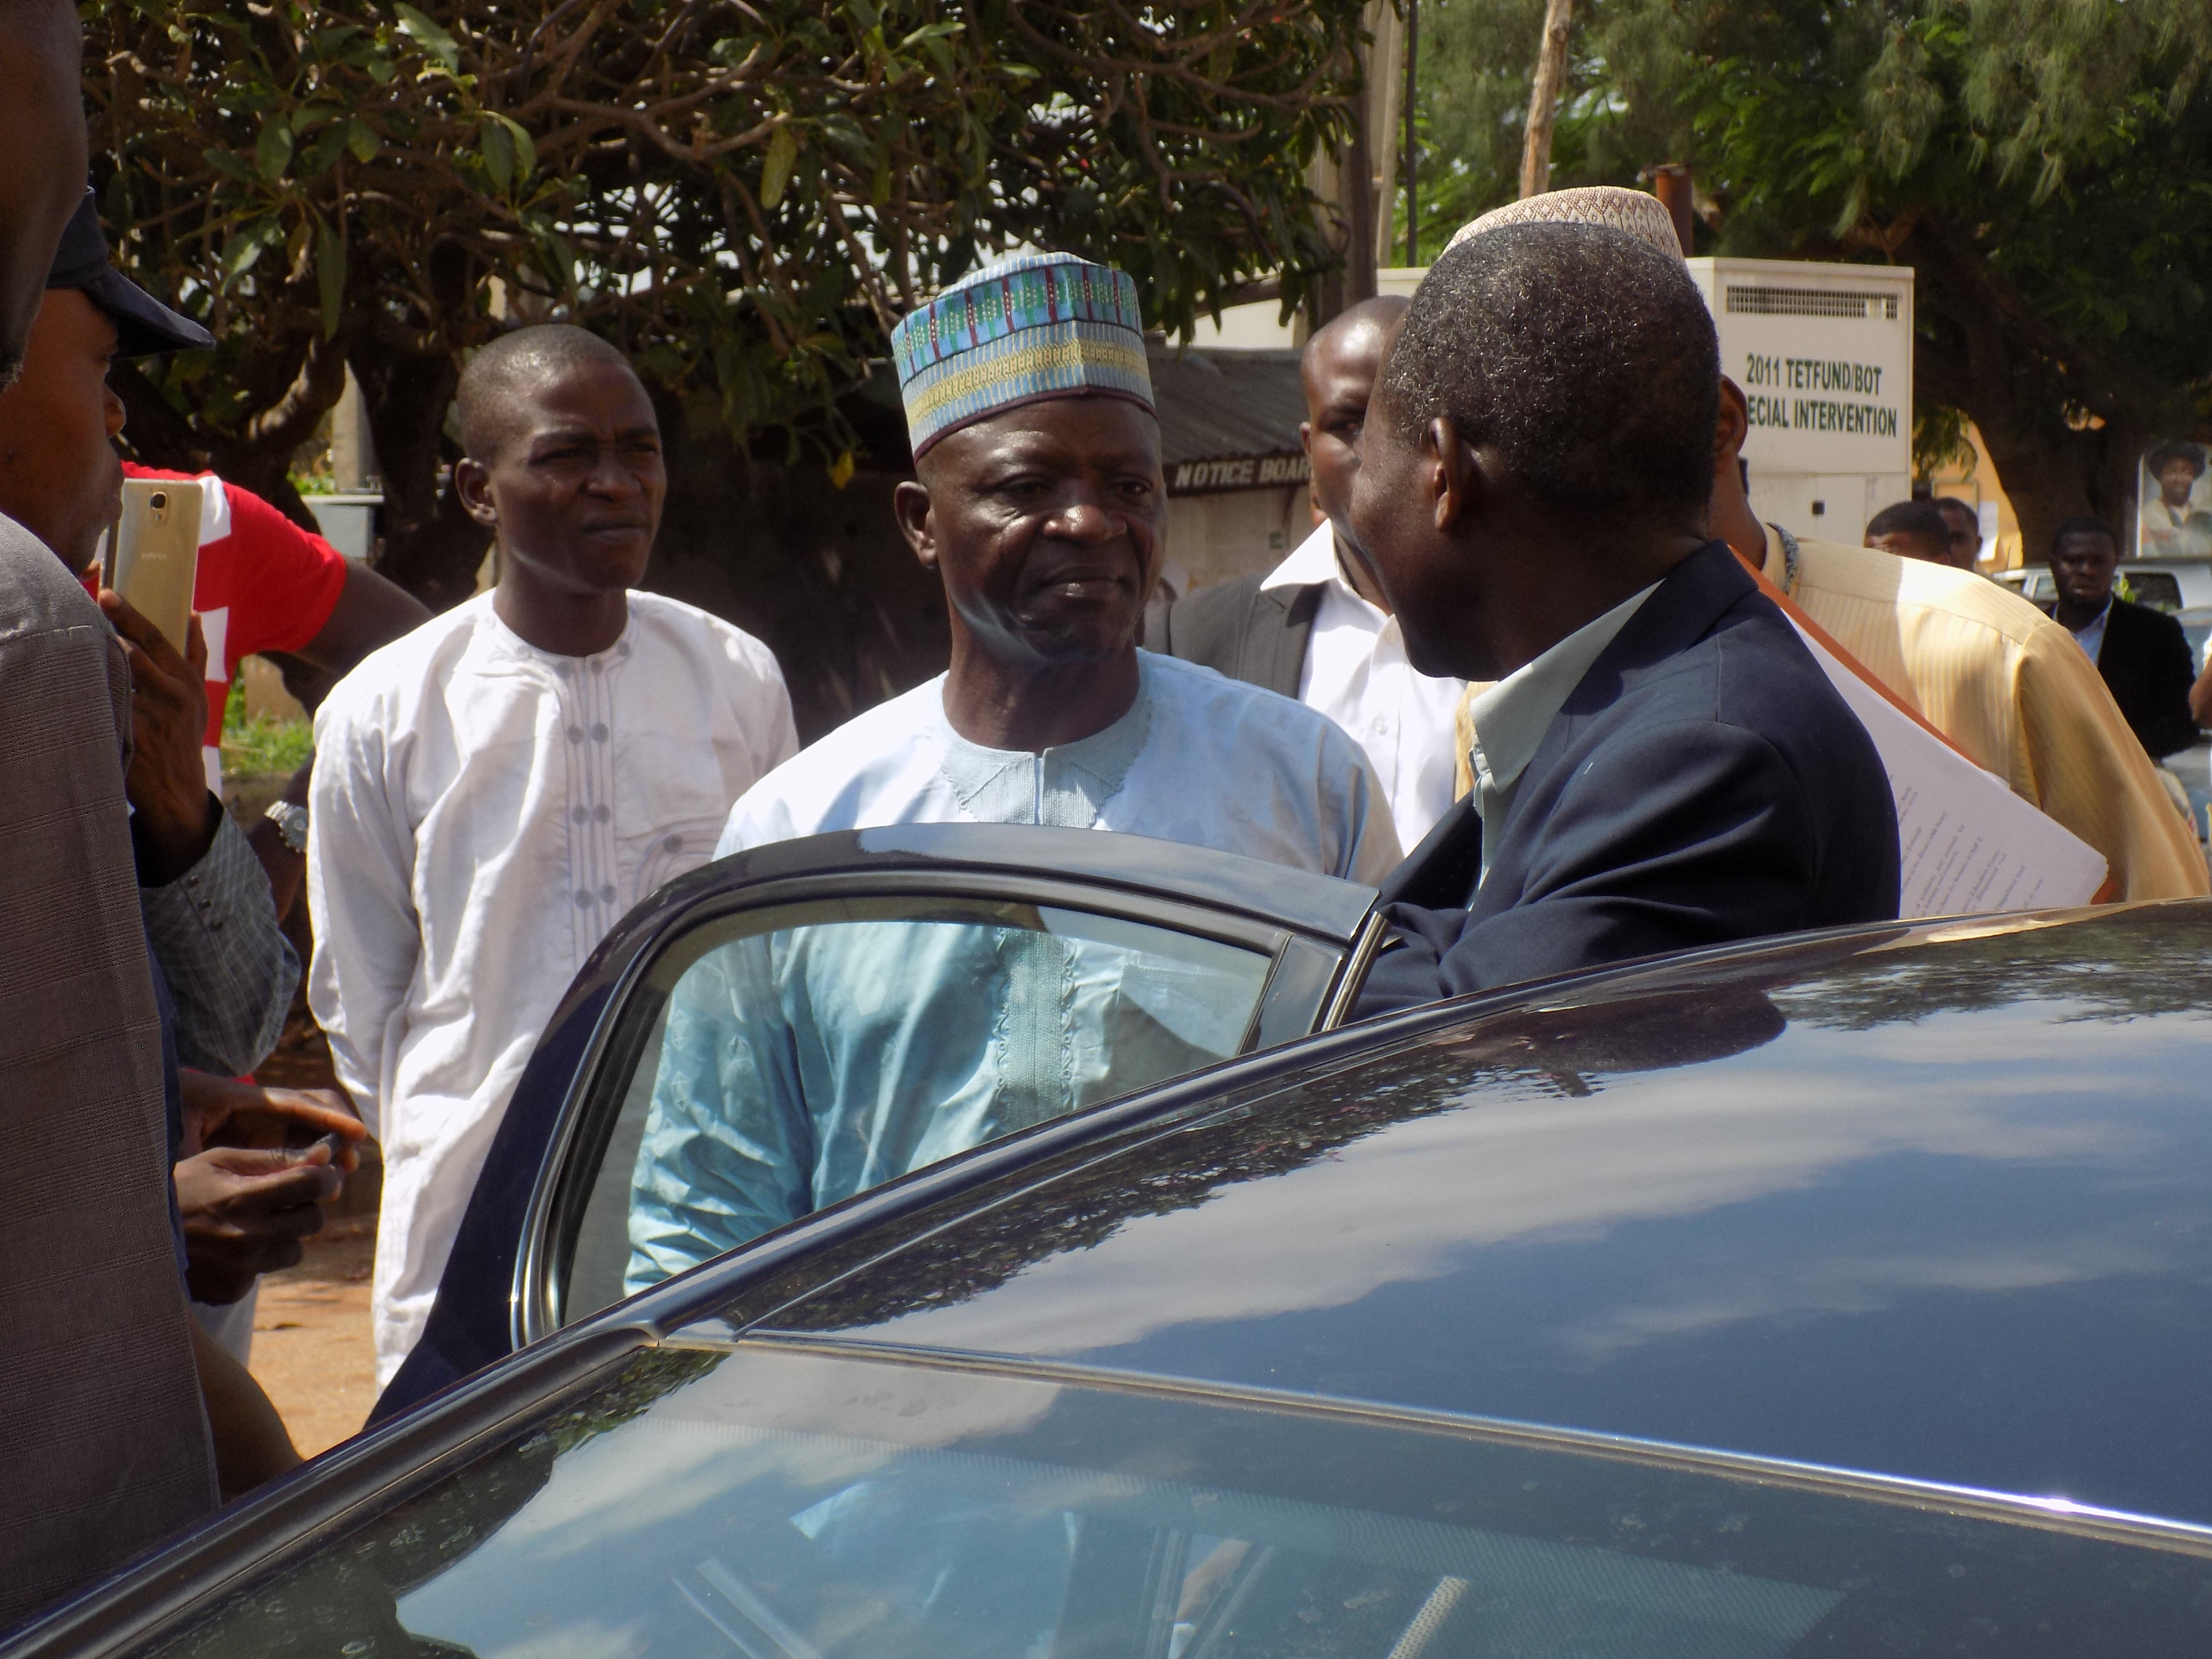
[[1912, 529], [2142, 654], [1662, 764], [1318, 627], [1965, 527]]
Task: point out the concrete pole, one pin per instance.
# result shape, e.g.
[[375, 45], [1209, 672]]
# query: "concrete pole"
[[1544, 100]]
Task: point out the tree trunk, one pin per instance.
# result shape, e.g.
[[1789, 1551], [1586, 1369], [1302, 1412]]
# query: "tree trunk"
[[1544, 100], [1982, 350], [155, 433], [432, 547]]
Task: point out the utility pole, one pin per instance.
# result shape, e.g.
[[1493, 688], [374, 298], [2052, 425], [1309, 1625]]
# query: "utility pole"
[[1412, 175], [1544, 100]]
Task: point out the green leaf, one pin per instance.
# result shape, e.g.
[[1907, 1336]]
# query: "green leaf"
[[246, 245], [321, 153], [775, 169], [272, 151], [869, 16], [228, 165], [931, 31], [525, 150], [430, 36], [498, 148], [330, 274], [362, 140]]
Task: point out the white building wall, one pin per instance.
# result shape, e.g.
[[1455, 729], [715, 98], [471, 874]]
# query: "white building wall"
[[1213, 537]]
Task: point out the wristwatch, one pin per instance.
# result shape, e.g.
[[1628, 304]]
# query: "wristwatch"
[[291, 822]]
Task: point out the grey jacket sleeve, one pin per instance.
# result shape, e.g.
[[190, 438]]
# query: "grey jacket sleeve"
[[230, 970]]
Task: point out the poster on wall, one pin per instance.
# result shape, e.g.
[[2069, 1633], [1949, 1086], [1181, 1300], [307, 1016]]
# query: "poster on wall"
[[2175, 520]]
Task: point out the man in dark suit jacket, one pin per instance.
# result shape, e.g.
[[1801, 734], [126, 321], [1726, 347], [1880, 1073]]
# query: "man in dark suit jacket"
[[1662, 764], [1250, 628], [2142, 654], [1318, 627]]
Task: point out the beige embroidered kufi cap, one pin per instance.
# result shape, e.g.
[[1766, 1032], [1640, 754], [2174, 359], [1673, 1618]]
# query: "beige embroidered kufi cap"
[[1642, 215]]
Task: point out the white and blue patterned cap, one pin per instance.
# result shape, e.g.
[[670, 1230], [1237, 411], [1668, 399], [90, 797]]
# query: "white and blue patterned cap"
[[1036, 326]]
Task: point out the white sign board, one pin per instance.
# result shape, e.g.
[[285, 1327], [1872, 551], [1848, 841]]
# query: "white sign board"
[[1824, 355]]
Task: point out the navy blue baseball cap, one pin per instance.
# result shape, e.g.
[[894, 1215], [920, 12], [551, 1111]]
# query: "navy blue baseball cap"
[[143, 326]]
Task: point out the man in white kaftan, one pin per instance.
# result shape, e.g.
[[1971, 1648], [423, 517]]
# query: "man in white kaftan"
[[798, 1069], [486, 807]]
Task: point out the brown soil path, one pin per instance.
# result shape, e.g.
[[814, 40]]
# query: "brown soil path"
[[312, 1351]]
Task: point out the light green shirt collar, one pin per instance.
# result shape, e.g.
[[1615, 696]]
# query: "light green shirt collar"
[[1510, 719]]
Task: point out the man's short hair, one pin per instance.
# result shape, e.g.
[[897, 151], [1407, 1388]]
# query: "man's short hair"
[[1585, 358], [2083, 524], [1911, 519], [2175, 450], [1967, 508], [498, 370]]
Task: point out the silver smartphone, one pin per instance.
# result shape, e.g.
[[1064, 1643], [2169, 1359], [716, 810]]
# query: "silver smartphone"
[[157, 552]]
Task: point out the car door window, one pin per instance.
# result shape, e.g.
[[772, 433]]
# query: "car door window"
[[784, 1502], [779, 1061]]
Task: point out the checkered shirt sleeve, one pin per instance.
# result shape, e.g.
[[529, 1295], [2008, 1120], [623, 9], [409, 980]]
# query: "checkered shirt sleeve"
[[230, 970]]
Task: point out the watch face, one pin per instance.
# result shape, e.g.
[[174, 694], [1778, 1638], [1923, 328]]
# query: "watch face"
[[291, 822]]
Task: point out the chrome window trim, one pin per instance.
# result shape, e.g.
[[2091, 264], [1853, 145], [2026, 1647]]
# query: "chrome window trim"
[[1364, 949], [2045, 1514]]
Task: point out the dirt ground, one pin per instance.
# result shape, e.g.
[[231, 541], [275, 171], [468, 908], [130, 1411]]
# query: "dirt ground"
[[313, 1352], [311, 1348]]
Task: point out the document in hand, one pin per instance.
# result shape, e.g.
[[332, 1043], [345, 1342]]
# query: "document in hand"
[[1967, 845]]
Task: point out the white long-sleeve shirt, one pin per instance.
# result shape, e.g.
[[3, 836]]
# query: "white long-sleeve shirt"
[[482, 813], [1356, 672]]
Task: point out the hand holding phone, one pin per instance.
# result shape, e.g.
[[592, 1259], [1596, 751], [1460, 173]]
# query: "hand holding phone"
[[175, 815], [157, 551]]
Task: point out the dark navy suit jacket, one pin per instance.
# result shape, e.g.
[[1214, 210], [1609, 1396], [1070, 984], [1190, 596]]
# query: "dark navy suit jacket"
[[1704, 783]]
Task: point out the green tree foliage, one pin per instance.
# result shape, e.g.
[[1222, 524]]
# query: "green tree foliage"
[[746, 196], [2046, 166]]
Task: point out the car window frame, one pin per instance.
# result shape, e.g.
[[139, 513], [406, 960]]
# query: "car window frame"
[[1313, 981]]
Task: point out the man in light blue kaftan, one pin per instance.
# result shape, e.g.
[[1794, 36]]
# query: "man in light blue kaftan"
[[801, 1066]]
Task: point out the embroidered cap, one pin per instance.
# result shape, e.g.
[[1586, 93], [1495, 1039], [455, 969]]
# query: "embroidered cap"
[[1642, 215], [1039, 325]]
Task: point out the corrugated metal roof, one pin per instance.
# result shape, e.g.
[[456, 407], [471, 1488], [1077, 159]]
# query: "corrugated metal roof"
[[1224, 404]]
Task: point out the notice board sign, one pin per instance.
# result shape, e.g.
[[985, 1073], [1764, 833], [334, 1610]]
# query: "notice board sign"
[[1824, 355]]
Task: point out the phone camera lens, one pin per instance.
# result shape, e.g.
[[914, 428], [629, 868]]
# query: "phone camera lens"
[[158, 499]]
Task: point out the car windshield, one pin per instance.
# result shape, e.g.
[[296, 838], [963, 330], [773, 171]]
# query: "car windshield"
[[789, 1499]]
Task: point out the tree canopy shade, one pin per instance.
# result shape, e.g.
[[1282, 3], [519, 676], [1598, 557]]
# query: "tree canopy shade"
[[745, 196], [2046, 166]]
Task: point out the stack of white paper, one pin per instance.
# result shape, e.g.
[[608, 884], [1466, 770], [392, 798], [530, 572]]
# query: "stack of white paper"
[[1968, 845]]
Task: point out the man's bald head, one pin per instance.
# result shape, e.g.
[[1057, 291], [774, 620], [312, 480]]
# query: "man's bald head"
[[42, 135], [1338, 371], [1358, 331], [500, 377]]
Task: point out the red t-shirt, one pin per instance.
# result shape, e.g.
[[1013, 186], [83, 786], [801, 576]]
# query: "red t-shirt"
[[263, 584]]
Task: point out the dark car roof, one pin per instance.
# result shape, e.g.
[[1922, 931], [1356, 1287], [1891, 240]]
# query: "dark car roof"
[[1936, 1203]]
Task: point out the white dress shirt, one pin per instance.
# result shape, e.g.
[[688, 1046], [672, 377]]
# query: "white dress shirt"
[[1511, 718], [1356, 673], [1198, 758], [2090, 636], [482, 813]]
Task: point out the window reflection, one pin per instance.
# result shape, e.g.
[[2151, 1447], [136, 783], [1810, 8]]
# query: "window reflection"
[[783, 1504], [802, 1061]]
